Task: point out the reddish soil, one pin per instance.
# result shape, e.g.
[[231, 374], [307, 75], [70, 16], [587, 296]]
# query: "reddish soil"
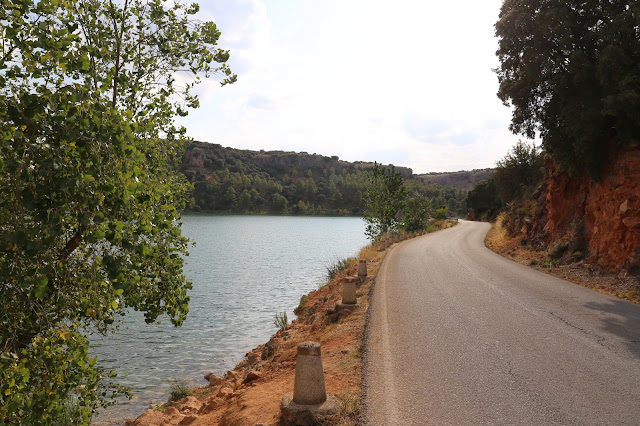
[[599, 219]]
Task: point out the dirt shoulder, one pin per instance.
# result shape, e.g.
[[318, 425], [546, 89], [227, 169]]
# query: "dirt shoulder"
[[621, 285]]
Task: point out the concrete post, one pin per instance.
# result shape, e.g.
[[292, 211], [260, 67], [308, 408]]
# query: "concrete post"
[[349, 291], [362, 268], [309, 403], [308, 388]]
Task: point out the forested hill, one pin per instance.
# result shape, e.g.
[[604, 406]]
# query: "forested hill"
[[458, 180], [242, 181]]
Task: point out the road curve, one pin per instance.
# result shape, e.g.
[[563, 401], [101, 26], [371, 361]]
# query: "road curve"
[[458, 335]]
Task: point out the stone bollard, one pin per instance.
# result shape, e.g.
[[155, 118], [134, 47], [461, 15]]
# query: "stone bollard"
[[382, 245], [362, 268], [389, 242], [349, 291], [308, 388], [309, 403]]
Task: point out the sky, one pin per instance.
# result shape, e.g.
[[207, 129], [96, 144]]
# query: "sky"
[[400, 82]]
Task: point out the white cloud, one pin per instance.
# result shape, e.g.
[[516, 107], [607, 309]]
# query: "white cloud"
[[407, 82]]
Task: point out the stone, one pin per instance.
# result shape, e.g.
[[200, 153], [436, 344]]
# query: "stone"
[[253, 357], [307, 415], [251, 376], [188, 420], [231, 375], [224, 392], [210, 406], [624, 207], [190, 405], [213, 379], [269, 349]]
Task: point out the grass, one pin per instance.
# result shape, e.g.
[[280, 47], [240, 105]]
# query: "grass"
[[361, 347], [204, 392], [281, 321], [350, 409], [301, 310], [179, 389], [338, 266]]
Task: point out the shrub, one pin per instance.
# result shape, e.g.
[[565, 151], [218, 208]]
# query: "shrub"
[[338, 266], [179, 389], [281, 321], [301, 309]]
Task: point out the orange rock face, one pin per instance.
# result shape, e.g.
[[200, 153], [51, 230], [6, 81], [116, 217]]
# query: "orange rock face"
[[604, 214]]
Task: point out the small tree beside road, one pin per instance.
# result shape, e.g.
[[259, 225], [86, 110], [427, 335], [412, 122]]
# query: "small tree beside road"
[[384, 201]]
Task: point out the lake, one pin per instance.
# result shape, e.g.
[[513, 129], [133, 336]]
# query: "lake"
[[244, 269]]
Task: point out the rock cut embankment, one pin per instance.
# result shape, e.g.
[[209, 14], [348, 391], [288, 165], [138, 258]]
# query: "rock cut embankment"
[[598, 220]]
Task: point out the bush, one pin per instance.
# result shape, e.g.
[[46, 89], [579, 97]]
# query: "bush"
[[281, 321], [440, 214], [179, 389], [338, 266], [301, 309]]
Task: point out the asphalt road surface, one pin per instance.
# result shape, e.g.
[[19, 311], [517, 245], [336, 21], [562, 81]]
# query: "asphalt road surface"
[[458, 335]]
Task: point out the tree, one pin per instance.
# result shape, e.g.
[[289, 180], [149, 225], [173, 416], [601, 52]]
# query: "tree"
[[570, 70], [519, 172], [483, 199], [440, 214], [417, 210], [279, 203], [384, 200], [89, 212]]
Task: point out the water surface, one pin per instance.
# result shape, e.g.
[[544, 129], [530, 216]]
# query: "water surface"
[[244, 269]]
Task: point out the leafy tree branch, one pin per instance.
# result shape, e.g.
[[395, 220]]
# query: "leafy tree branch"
[[90, 206]]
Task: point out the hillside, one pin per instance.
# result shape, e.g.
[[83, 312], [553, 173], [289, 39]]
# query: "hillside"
[[232, 180], [464, 180]]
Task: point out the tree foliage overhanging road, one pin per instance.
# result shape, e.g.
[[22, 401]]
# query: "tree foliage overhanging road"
[[570, 71], [89, 213]]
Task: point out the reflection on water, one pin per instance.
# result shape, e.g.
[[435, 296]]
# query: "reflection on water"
[[244, 269]]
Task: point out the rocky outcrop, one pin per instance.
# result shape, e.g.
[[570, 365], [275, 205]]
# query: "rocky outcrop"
[[597, 220], [194, 158]]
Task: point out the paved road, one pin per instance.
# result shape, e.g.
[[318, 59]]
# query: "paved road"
[[461, 336]]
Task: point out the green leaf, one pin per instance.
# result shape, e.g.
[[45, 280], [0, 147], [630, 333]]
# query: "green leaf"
[[41, 286]]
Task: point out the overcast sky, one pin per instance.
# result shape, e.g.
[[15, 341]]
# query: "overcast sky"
[[402, 82]]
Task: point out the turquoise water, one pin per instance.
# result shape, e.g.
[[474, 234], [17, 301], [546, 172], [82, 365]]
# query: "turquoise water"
[[244, 269]]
